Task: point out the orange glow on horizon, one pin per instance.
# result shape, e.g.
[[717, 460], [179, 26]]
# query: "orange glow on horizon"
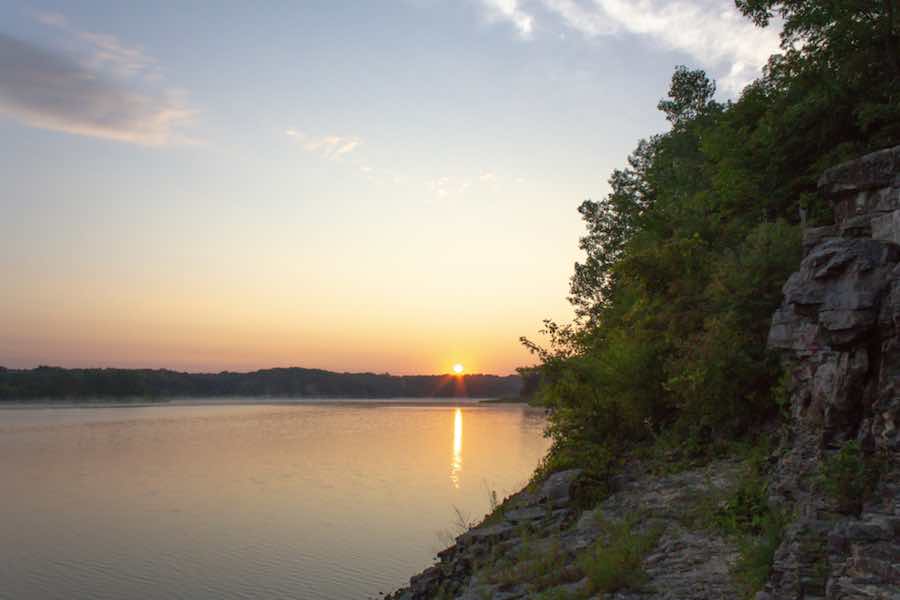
[[458, 369]]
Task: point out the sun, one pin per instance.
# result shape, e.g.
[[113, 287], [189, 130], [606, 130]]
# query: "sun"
[[458, 369]]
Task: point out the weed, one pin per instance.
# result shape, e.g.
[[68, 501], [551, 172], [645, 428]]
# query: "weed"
[[615, 563], [848, 476], [743, 514], [758, 551]]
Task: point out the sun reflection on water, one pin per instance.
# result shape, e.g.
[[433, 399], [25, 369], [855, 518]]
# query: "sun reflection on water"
[[456, 464]]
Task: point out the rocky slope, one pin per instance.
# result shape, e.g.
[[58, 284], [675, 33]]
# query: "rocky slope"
[[535, 546], [839, 331]]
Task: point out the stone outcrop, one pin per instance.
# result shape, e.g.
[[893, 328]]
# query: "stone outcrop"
[[531, 548], [537, 513], [839, 328]]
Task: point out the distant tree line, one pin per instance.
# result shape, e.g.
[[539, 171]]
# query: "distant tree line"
[[59, 383]]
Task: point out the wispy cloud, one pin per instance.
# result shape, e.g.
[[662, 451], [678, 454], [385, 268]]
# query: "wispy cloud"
[[440, 186], [105, 94], [443, 187], [586, 19], [329, 146], [104, 50], [510, 11], [712, 32]]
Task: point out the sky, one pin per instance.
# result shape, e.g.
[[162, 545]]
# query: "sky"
[[386, 186]]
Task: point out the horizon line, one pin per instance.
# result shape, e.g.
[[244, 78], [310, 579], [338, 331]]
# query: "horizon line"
[[248, 372]]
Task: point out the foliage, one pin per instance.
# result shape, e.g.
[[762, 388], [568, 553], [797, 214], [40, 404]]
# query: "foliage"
[[684, 259], [614, 563], [757, 552], [849, 476]]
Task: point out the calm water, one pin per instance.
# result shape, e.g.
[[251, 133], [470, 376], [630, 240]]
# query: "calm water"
[[244, 501]]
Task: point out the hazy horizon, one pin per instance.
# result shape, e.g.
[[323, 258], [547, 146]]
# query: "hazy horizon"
[[448, 373], [384, 187]]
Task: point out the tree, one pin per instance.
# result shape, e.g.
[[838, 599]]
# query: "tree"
[[690, 96], [610, 223], [846, 53]]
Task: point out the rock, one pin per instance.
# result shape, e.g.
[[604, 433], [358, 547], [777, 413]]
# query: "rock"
[[524, 515], [844, 183], [558, 489], [886, 227], [813, 236], [490, 535], [838, 325]]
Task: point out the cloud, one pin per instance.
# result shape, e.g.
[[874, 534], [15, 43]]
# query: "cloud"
[[440, 186], [712, 32], [443, 187], [329, 146], [45, 89], [588, 21], [104, 50], [510, 11]]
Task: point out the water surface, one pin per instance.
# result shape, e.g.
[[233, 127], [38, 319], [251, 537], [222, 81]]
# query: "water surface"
[[245, 501]]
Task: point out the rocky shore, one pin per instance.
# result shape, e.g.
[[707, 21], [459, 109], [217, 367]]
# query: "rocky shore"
[[532, 548], [834, 475]]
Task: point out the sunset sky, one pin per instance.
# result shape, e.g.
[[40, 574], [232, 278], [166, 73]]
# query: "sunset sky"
[[370, 185]]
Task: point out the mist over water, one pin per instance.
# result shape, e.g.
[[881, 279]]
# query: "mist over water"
[[245, 501]]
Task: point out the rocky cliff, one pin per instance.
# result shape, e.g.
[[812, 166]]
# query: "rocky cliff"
[[835, 476], [839, 328]]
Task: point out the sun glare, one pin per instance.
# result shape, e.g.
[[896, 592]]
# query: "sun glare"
[[458, 368]]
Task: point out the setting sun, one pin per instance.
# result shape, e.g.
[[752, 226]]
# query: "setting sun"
[[458, 368]]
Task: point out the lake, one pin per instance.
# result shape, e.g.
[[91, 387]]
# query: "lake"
[[232, 501]]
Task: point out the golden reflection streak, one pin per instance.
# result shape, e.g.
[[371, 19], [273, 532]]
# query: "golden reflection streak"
[[456, 464]]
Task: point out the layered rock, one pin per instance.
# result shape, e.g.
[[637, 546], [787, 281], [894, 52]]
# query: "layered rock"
[[546, 511], [839, 327], [531, 549]]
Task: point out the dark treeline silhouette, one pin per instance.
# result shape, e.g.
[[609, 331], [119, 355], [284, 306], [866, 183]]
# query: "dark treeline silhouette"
[[59, 383]]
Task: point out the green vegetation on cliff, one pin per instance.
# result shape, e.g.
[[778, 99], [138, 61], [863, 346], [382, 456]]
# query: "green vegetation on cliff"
[[685, 258]]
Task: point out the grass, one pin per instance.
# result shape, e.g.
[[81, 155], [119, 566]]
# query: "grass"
[[849, 476], [538, 563], [615, 563], [757, 553], [743, 514]]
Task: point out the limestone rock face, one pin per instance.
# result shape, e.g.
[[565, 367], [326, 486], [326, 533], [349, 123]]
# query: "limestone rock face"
[[839, 329]]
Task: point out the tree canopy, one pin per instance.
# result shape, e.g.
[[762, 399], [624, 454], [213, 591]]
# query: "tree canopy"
[[684, 259]]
